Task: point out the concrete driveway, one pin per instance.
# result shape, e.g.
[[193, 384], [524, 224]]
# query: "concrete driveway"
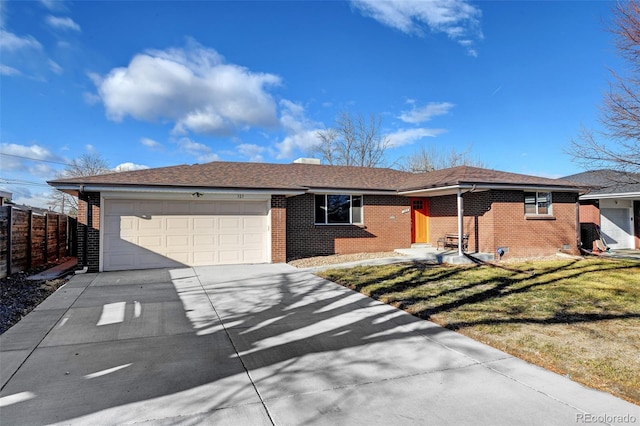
[[264, 344]]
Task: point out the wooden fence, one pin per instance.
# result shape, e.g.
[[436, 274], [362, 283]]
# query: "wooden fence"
[[29, 239]]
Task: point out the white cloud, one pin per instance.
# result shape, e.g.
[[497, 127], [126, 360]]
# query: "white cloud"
[[54, 4], [65, 24], [301, 132], [90, 98], [191, 87], [8, 71], [32, 159], [201, 151], [303, 141], [89, 147], [409, 136], [252, 151], [53, 66], [12, 42], [425, 113], [23, 195], [126, 167], [458, 19], [150, 143]]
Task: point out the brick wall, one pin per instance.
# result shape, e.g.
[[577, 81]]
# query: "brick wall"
[[278, 229], [477, 222], [89, 230], [533, 236], [385, 228], [496, 219]]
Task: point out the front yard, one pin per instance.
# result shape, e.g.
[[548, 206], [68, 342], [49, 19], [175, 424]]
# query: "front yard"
[[579, 318]]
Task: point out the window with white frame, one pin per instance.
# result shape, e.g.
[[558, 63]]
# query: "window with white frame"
[[338, 209], [537, 203]]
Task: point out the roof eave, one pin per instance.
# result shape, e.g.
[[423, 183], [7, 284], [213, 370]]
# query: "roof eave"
[[74, 189], [611, 195], [453, 188]]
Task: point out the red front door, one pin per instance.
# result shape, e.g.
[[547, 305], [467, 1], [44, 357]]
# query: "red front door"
[[419, 220]]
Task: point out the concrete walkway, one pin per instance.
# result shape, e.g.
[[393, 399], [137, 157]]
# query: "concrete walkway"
[[264, 344]]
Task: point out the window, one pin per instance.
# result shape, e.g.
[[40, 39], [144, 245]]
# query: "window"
[[338, 208], [537, 203]]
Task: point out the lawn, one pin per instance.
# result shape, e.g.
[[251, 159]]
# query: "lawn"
[[579, 318]]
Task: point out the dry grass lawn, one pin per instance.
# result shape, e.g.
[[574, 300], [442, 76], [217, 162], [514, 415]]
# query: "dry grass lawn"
[[579, 318]]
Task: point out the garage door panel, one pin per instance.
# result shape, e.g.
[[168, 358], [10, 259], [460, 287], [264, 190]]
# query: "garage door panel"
[[118, 244], [230, 256], [153, 223], [179, 224], [151, 242], [122, 223], [183, 257], [252, 256], [205, 258], [173, 208], [119, 207], [255, 239], [226, 224], [122, 261], [175, 241], [205, 240], [255, 222], [229, 240], [151, 234]]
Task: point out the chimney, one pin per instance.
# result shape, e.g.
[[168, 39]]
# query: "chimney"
[[307, 161]]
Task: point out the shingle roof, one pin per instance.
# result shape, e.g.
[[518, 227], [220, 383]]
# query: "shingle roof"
[[474, 175], [252, 175], [606, 181], [296, 176]]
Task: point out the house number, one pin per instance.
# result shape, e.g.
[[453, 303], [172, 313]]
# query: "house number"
[[240, 195]]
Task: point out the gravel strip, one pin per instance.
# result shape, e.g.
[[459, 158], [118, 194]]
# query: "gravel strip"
[[312, 262], [19, 296]]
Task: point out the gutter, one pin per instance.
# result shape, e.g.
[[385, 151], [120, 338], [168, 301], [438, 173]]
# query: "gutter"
[[592, 196], [487, 186], [172, 190]]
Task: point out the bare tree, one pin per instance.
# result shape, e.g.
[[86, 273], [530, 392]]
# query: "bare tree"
[[430, 159], [617, 147], [85, 165], [353, 141]]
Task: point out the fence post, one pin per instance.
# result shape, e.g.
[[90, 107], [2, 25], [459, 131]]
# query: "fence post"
[[29, 239], [46, 239], [57, 236], [9, 238]]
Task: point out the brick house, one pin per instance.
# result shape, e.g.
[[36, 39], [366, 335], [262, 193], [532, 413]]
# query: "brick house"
[[613, 205], [225, 213]]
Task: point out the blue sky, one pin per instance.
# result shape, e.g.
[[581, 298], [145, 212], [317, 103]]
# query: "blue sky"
[[151, 84]]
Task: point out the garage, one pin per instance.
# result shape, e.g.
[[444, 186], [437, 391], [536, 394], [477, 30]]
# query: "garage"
[[616, 227], [142, 234]]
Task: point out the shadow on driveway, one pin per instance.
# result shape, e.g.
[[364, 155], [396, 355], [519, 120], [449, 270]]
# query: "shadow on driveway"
[[261, 344]]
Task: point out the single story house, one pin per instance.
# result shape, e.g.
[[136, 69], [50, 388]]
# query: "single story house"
[[230, 213], [613, 205], [4, 197]]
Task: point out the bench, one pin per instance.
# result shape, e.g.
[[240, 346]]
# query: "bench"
[[451, 240]]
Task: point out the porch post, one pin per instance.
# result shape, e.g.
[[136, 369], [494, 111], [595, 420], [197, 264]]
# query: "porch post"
[[460, 224]]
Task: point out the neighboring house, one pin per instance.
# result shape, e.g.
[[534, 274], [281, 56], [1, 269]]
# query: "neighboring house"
[[614, 205], [225, 212], [4, 197]]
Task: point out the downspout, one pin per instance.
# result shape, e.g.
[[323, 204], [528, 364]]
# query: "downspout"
[[85, 248], [578, 228], [460, 222]]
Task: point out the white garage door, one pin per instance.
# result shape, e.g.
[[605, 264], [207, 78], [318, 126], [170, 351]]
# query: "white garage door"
[[157, 233], [616, 228]]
